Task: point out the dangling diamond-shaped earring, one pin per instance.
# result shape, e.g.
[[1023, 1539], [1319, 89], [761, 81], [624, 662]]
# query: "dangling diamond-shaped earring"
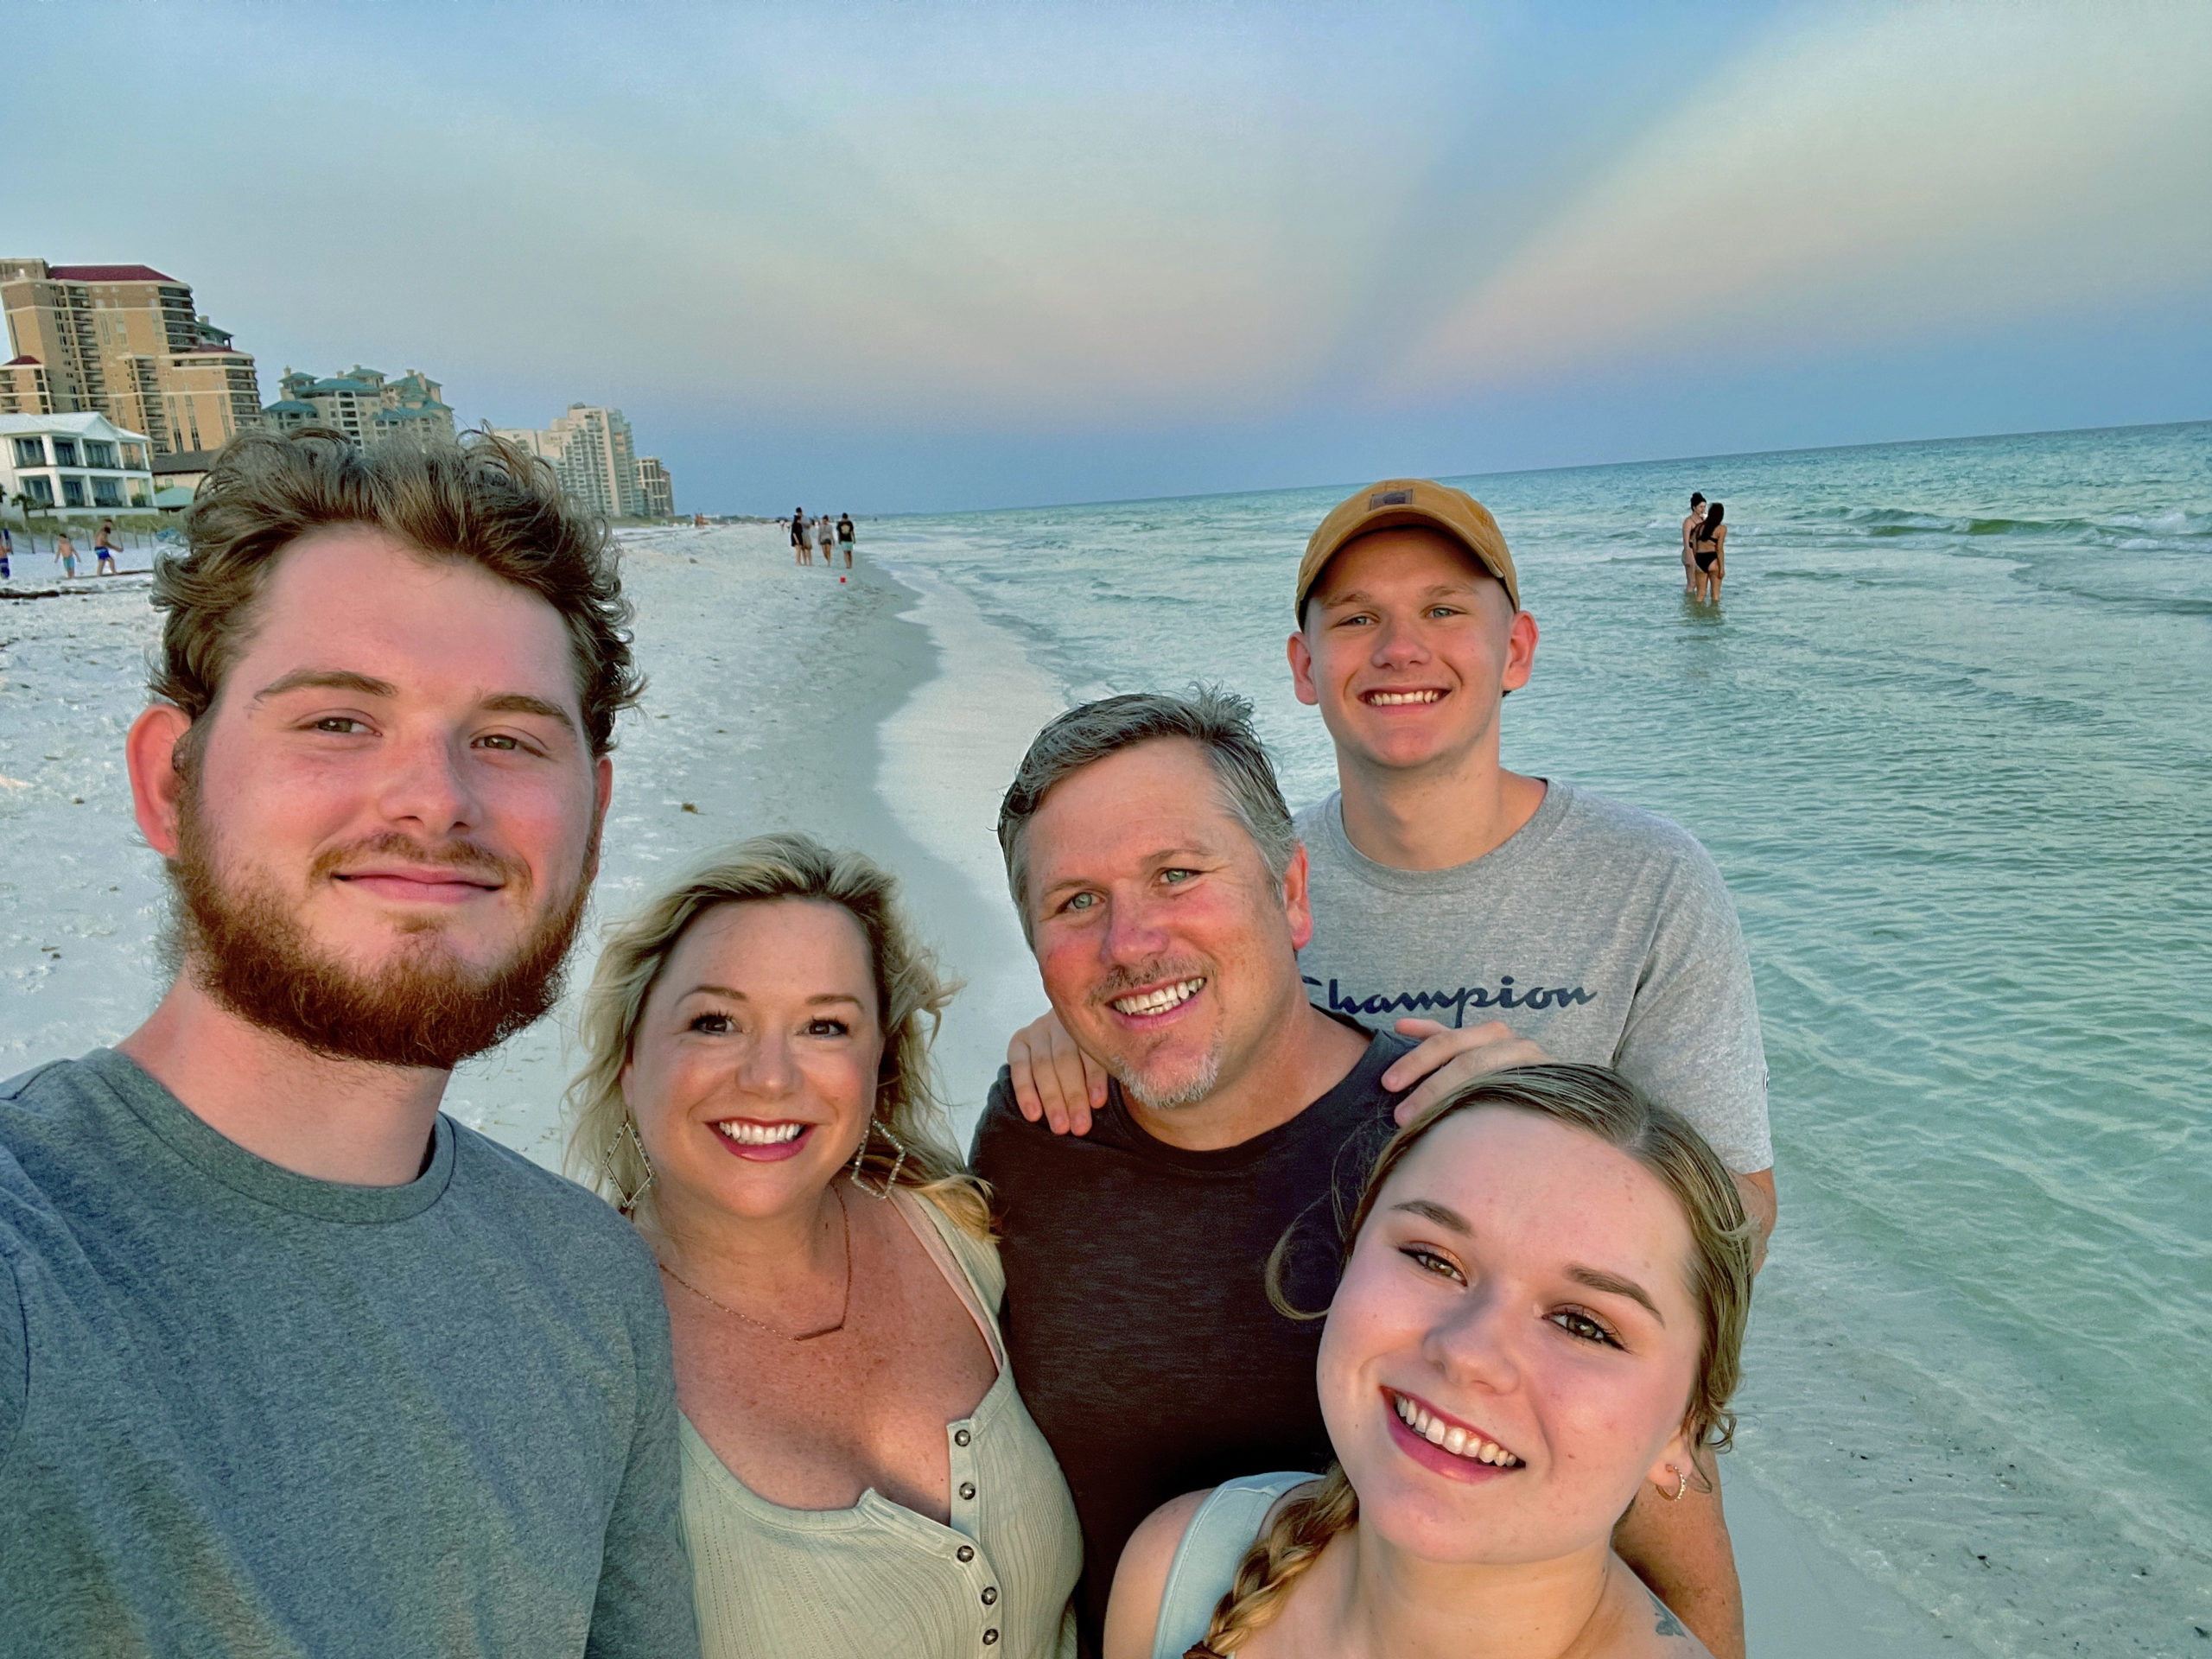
[[877, 1126], [628, 1197]]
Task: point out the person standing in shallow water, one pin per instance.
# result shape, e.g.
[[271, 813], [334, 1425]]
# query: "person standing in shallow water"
[[845, 537], [289, 1361], [861, 1479], [1689, 526], [1709, 552]]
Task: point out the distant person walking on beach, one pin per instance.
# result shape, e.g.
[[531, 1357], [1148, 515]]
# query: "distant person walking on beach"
[[845, 537], [802, 549], [103, 548], [824, 533], [65, 552], [1689, 526], [1709, 548]]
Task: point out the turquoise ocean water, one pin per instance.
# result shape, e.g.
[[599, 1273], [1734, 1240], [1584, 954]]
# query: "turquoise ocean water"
[[1949, 736]]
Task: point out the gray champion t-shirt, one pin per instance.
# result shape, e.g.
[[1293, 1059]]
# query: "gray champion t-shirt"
[[247, 1413], [1602, 932]]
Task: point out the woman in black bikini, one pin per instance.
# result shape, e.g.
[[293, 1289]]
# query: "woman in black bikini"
[[1708, 546]]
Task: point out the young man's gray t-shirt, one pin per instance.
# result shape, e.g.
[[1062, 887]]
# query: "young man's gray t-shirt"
[[243, 1412], [1601, 932]]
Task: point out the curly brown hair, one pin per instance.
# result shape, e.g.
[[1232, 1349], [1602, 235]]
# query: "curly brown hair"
[[482, 500]]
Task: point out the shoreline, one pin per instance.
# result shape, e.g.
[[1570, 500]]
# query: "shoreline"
[[944, 757]]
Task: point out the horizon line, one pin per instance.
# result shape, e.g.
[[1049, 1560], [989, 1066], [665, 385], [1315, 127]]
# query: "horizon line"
[[1569, 466]]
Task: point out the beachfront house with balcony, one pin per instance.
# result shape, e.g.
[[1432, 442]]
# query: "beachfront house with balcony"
[[81, 464]]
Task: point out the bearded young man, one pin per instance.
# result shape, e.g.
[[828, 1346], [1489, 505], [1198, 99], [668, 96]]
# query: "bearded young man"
[[290, 1363]]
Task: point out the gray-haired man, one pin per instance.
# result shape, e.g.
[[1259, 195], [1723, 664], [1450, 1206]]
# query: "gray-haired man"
[[1156, 872]]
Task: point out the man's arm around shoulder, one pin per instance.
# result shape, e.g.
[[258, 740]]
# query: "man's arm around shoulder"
[[1681, 1551]]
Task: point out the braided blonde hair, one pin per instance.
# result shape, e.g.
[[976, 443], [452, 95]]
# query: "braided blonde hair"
[[1603, 1103], [1303, 1526]]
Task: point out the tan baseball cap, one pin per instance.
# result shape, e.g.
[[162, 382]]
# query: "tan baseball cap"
[[1409, 501]]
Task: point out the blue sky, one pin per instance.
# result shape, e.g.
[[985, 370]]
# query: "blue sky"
[[913, 257]]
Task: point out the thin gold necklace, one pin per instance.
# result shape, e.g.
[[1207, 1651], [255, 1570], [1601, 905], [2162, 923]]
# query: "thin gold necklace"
[[843, 1307]]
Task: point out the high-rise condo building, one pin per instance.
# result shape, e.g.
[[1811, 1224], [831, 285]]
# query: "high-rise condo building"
[[362, 404], [592, 456], [123, 341], [23, 389], [655, 489]]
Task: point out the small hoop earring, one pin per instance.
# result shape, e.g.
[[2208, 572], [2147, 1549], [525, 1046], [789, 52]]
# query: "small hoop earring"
[[1681, 1485], [874, 1127], [626, 1197]]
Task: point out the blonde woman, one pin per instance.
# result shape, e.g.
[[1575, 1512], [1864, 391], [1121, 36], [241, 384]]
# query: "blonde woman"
[[860, 1477], [1541, 1308]]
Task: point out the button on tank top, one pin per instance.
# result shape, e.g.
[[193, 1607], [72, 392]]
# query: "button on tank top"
[[877, 1580]]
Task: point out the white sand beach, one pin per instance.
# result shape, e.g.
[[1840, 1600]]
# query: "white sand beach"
[[879, 711]]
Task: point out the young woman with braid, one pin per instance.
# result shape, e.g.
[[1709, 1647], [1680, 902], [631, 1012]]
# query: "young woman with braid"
[[1541, 1308]]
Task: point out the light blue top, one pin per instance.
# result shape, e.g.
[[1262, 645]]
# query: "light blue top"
[[1206, 1561]]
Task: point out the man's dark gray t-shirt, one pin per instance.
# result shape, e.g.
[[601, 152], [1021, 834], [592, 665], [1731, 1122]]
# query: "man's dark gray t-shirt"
[[1600, 932], [1137, 1317], [248, 1412]]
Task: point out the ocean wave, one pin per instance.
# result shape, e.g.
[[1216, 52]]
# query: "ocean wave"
[[2169, 523], [2179, 522], [2145, 604], [1897, 518]]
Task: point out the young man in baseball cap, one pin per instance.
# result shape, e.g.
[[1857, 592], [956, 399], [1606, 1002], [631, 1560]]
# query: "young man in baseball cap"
[[1499, 918]]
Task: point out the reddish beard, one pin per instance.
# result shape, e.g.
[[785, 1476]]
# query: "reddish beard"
[[245, 948]]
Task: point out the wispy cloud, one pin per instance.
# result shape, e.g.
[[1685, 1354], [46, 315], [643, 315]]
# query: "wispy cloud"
[[974, 243], [1868, 178], [1056, 215]]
